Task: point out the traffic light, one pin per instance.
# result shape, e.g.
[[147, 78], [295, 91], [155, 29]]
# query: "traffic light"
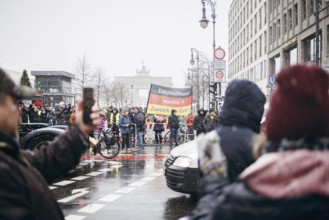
[[213, 88]]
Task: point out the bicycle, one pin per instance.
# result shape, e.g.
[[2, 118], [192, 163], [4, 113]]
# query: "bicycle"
[[181, 134], [107, 144]]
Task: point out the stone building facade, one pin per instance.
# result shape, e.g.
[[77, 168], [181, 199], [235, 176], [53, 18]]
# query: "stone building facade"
[[139, 86]]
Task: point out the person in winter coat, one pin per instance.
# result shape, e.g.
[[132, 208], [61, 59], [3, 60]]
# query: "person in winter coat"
[[103, 124], [139, 120], [114, 117], [25, 175], [290, 181], [23, 109], [198, 122], [124, 124], [189, 124], [211, 121], [158, 128], [174, 126], [72, 117]]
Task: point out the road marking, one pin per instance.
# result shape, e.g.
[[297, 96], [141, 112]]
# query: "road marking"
[[94, 173], [116, 166], [125, 189], [80, 178], [114, 163], [67, 199], [137, 183], [156, 174], [148, 178], [52, 187], [91, 208], [63, 183], [75, 217], [105, 170], [110, 198]]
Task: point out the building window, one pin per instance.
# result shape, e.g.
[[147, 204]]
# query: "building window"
[[255, 49], [311, 8], [251, 54], [255, 18], [274, 32], [303, 10], [270, 35], [269, 6], [279, 29], [327, 39], [260, 18], [260, 45], [247, 8], [251, 28], [309, 45], [265, 9], [290, 56], [290, 19], [284, 23], [265, 42], [295, 15]]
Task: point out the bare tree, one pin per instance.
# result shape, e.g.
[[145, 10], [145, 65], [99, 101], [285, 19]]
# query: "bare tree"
[[119, 93], [98, 84], [83, 72], [107, 91]]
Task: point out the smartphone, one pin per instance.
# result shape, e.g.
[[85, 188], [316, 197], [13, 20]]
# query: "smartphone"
[[88, 102]]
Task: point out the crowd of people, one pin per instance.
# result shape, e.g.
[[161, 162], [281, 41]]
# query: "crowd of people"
[[245, 175], [40, 113]]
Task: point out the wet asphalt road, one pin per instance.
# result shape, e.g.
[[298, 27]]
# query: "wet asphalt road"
[[131, 186]]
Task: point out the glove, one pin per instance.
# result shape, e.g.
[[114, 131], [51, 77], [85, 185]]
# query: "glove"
[[212, 161]]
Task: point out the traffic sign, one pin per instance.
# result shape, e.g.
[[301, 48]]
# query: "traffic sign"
[[219, 64], [219, 76], [219, 53], [271, 79]]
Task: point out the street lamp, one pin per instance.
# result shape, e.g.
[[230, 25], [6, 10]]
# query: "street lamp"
[[317, 29], [204, 21], [204, 24], [132, 93], [197, 76]]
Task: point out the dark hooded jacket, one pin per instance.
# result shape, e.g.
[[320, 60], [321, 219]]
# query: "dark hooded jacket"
[[240, 123], [240, 118], [25, 175], [173, 120], [198, 121]]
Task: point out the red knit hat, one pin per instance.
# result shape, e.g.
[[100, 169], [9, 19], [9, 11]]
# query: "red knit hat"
[[299, 106]]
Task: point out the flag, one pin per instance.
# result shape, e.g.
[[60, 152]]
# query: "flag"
[[163, 99]]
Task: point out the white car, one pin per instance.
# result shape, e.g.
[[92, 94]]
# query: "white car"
[[181, 168]]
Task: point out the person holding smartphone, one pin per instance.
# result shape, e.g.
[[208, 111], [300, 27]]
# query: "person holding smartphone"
[[25, 175]]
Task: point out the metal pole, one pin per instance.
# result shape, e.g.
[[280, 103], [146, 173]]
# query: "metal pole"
[[132, 94], [197, 72], [198, 78], [213, 15], [317, 21], [317, 14]]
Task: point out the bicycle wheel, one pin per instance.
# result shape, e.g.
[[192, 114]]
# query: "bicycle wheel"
[[166, 137], [109, 152]]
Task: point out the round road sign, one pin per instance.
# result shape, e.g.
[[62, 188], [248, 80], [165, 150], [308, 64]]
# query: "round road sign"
[[219, 75], [219, 53]]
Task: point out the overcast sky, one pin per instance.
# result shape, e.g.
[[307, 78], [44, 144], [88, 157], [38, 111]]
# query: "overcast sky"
[[116, 35]]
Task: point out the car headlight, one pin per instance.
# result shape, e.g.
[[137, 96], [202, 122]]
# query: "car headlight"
[[182, 162]]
